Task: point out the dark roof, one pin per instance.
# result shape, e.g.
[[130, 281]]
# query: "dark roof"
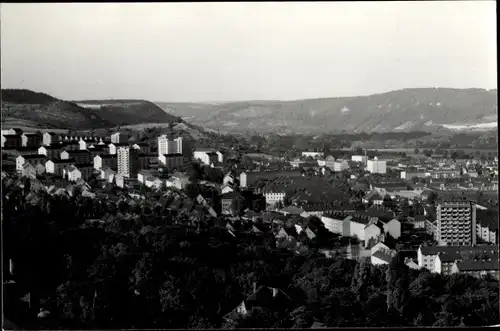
[[449, 250], [172, 155], [143, 144], [61, 161], [51, 133], [231, 195], [76, 152], [11, 135], [106, 156], [381, 254], [478, 265], [53, 146], [33, 156], [119, 144]]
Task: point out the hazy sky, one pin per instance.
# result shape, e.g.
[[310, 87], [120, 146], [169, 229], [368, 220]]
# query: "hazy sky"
[[244, 51]]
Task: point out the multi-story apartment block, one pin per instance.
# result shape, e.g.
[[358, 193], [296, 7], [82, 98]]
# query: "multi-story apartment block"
[[127, 161], [11, 141], [167, 146], [33, 159], [50, 151], [119, 138], [50, 138], [31, 139], [171, 161], [456, 223], [376, 167], [57, 167], [80, 156], [105, 160]]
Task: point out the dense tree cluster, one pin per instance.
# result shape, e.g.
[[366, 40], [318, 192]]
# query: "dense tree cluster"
[[137, 265]]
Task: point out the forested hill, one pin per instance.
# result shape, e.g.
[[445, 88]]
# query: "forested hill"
[[25, 108], [415, 109]]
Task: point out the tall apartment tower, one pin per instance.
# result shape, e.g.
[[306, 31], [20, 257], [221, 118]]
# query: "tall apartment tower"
[[166, 146], [127, 161], [456, 223]]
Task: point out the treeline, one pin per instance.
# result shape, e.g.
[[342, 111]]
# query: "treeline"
[[138, 265]]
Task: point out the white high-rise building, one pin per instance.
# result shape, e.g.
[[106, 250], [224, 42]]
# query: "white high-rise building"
[[376, 167], [127, 161], [166, 146], [456, 223]]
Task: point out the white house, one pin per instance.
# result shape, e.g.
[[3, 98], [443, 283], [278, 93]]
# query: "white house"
[[178, 182], [207, 156], [352, 227], [372, 230], [31, 159], [376, 167], [153, 182], [72, 173], [393, 227], [226, 188], [57, 166]]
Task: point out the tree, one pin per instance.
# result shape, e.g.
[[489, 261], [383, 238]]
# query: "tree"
[[416, 151], [428, 152]]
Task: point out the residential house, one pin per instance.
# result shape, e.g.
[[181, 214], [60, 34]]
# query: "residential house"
[[79, 156], [178, 181], [226, 188], [207, 156], [105, 160], [108, 174], [478, 268], [50, 151], [33, 159], [426, 255], [248, 179], [70, 145], [393, 227], [28, 170], [11, 141], [31, 139], [228, 198], [113, 147], [57, 166], [50, 138], [354, 227]]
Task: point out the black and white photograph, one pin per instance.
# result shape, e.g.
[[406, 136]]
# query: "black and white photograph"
[[249, 165]]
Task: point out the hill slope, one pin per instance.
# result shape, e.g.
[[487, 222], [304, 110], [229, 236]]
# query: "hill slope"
[[403, 110], [39, 110]]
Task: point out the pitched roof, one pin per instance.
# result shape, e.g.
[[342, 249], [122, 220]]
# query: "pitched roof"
[[478, 265], [448, 250], [292, 210], [383, 255]]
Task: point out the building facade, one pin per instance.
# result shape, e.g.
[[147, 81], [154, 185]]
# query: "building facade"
[[456, 223], [127, 161]]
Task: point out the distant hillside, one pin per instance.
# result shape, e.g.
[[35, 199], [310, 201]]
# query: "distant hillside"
[[422, 109], [32, 109]]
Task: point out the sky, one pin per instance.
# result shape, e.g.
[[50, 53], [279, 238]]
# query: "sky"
[[194, 52]]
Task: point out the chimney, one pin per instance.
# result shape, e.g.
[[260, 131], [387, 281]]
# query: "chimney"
[[254, 287], [275, 292]]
